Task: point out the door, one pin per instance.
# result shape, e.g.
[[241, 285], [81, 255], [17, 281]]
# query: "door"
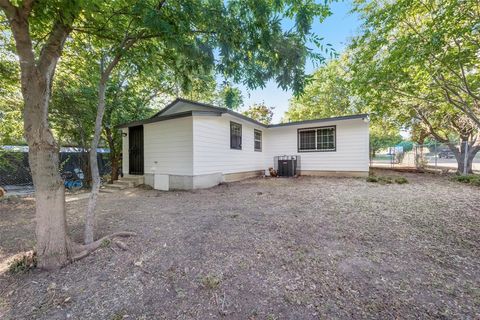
[[135, 150]]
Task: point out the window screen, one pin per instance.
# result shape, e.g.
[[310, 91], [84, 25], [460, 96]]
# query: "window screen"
[[326, 138], [258, 139], [317, 139], [306, 140], [235, 136]]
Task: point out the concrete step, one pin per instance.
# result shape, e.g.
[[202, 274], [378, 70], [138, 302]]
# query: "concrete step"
[[127, 183], [108, 190], [136, 180], [116, 186]]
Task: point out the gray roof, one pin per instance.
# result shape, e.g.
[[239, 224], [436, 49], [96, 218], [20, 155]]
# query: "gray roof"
[[218, 111]]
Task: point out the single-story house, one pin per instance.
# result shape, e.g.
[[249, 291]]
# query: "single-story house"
[[190, 145]]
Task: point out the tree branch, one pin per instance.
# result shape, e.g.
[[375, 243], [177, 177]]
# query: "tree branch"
[[52, 49]]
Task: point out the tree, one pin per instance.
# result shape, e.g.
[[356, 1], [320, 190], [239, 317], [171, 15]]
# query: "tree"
[[260, 112], [329, 93], [11, 131], [252, 47], [382, 137], [229, 97], [416, 61], [187, 37], [27, 22]]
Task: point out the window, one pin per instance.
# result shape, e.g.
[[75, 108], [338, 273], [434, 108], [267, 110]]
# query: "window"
[[317, 139], [235, 136], [257, 137]]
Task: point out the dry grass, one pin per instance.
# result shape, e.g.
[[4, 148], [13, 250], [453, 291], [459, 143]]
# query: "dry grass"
[[303, 248]]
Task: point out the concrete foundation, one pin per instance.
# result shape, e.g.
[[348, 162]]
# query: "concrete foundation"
[[184, 182], [149, 179], [237, 176], [320, 173]]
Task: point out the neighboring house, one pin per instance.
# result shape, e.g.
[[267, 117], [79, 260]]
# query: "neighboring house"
[[191, 145]]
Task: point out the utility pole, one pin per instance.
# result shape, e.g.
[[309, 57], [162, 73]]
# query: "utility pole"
[[466, 159]]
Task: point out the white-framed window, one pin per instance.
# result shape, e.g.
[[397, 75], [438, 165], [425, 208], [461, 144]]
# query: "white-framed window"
[[235, 136], [317, 139], [257, 137]]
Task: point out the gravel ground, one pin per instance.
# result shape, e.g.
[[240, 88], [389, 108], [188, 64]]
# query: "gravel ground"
[[304, 248]]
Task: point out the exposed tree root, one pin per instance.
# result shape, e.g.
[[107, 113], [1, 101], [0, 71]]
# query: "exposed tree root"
[[81, 251]]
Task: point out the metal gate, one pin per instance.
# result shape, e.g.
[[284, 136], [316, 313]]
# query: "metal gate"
[[135, 150]]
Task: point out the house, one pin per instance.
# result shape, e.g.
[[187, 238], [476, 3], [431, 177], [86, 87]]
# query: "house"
[[190, 145]]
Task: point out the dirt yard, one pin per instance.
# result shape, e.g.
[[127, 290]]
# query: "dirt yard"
[[306, 248]]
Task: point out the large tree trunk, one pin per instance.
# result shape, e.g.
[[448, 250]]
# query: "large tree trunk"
[[53, 246], [461, 153], [92, 201]]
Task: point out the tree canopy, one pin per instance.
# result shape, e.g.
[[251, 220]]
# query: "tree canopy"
[[102, 47]]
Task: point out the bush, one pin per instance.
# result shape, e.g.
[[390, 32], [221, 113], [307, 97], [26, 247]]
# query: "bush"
[[470, 179], [401, 180], [24, 263], [385, 180]]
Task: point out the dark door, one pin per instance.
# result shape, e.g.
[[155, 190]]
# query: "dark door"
[[135, 150]]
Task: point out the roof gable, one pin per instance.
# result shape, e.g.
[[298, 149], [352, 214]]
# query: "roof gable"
[[180, 105], [185, 108]]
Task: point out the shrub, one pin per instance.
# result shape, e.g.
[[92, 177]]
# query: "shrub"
[[470, 179], [24, 263], [372, 179], [385, 180], [401, 180]]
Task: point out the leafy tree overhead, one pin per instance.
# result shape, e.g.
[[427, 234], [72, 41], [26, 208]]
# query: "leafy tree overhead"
[[260, 112], [382, 137], [252, 49], [327, 94], [417, 62]]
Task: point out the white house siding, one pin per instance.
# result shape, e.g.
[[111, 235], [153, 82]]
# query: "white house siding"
[[211, 146], [168, 147], [352, 145]]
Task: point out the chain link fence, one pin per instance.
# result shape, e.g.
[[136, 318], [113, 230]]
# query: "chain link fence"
[[434, 156], [16, 178]]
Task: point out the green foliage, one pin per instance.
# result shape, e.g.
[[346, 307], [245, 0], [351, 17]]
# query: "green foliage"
[[326, 95], [407, 145], [210, 281], [329, 93], [416, 62], [401, 180], [473, 179], [229, 97], [260, 112], [386, 180], [9, 161], [23, 264], [382, 137]]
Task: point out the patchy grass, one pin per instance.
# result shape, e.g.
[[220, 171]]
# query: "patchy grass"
[[210, 281], [473, 179], [303, 248], [106, 243], [386, 179], [401, 180], [24, 263]]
